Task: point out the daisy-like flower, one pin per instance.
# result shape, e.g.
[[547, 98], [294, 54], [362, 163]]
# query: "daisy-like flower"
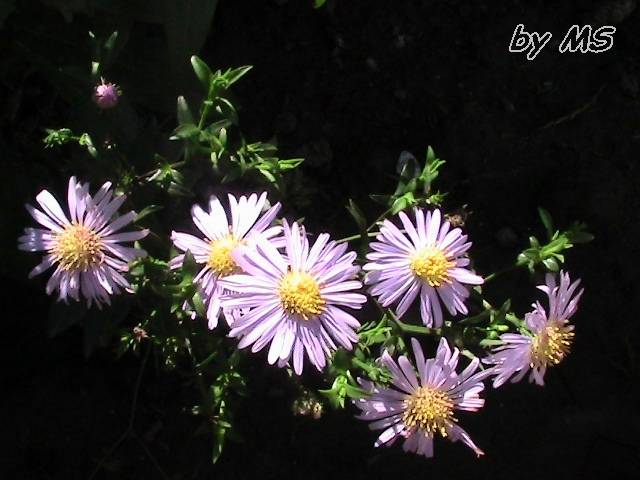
[[422, 406], [548, 339], [294, 301], [106, 94], [221, 239], [427, 260], [84, 246]]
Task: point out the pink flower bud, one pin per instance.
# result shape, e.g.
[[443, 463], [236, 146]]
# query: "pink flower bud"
[[105, 95]]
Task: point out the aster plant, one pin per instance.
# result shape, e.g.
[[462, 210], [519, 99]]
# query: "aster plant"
[[291, 294]]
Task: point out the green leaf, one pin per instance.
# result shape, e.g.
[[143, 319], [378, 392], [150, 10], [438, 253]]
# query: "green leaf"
[[110, 43], [189, 267], [577, 233], [551, 264], [233, 75], [187, 24], [580, 237], [57, 137], [533, 241], [398, 205], [148, 210], [214, 128], [199, 305], [546, 221], [272, 179], [381, 199], [186, 131], [290, 163], [409, 170], [357, 215], [183, 112], [218, 443], [431, 170], [202, 71]]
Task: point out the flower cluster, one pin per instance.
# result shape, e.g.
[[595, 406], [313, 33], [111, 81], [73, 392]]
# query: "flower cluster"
[[296, 294]]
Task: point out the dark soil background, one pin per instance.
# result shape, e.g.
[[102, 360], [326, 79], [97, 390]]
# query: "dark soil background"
[[349, 86]]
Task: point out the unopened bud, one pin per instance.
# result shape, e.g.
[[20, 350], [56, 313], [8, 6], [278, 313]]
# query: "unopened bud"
[[105, 94], [139, 333]]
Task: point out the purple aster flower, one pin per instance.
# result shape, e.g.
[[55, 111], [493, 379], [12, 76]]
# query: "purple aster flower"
[[423, 405], [295, 301], [106, 94], [547, 339], [84, 246], [221, 239], [426, 260]]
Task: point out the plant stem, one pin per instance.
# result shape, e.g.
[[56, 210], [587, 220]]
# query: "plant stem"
[[380, 217], [355, 237], [490, 277]]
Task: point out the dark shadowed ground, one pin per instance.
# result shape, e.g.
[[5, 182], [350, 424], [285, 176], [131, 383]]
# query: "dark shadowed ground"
[[349, 87]]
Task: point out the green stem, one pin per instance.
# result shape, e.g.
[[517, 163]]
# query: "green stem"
[[488, 278], [360, 364], [207, 107], [381, 217], [356, 237], [407, 328]]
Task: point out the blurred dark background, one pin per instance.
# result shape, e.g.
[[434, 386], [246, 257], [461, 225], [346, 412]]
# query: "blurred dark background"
[[348, 87]]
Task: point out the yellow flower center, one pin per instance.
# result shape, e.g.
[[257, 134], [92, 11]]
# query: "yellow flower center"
[[300, 295], [431, 265], [552, 344], [220, 259], [77, 248], [428, 409]]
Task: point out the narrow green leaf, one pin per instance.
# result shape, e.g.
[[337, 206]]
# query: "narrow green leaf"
[[408, 169], [202, 71], [232, 76], [183, 112], [290, 163], [189, 266], [546, 221], [398, 205], [551, 264], [381, 199], [357, 215], [111, 42], [185, 131], [148, 210]]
